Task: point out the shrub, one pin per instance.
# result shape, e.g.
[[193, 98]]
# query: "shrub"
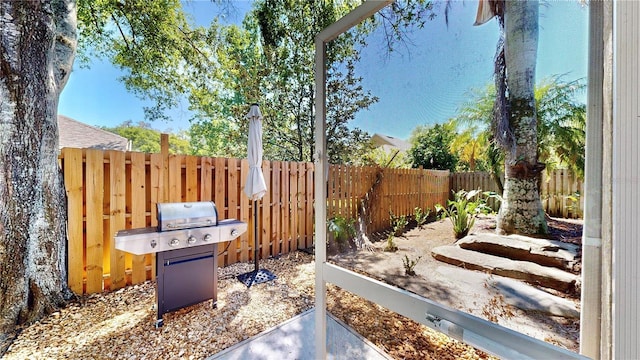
[[391, 244], [398, 223], [462, 211], [409, 265], [421, 216], [342, 229]]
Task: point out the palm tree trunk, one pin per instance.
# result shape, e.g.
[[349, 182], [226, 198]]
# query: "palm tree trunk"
[[521, 210]]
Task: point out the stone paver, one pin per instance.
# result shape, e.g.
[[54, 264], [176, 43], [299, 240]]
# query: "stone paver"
[[523, 270]]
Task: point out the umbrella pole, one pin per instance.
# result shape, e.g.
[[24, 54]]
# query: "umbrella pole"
[[255, 234]]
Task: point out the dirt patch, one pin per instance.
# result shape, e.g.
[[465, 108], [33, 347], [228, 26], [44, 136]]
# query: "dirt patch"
[[465, 290]]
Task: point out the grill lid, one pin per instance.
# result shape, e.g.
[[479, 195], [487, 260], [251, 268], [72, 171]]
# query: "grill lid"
[[185, 215]]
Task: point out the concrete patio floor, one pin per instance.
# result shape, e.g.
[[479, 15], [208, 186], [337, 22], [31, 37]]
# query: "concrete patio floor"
[[294, 340]]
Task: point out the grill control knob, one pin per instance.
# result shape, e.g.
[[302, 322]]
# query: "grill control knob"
[[207, 237], [153, 243], [174, 242], [234, 232], [191, 239]]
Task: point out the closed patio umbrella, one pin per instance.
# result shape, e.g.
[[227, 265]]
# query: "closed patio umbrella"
[[255, 188]]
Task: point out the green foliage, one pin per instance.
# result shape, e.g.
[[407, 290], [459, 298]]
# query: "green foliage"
[[430, 147], [342, 230], [421, 216], [145, 139], [270, 60], [561, 124], [388, 159], [561, 128], [398, 223], [152, 41], [219, 70], [409, 265], [218, 138], [462, 211], [391, 244], [573, 203]]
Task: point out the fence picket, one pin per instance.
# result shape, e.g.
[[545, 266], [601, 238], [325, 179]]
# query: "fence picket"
[[286, 218], [244, 211], [94, 193], [309, 204], [74, 187], [138, 212], [116, 217], [266, 212], [232, 200], [276, 225], [191, 178]]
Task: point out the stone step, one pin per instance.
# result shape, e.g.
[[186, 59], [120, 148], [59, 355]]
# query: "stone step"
[[533, 273], [544, 252]]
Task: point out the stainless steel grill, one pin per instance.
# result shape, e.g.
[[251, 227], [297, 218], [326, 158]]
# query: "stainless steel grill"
[[185, 242]]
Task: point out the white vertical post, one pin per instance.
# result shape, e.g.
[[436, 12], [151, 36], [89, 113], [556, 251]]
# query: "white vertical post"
[[353, 18], [320, 184], [591, 298]]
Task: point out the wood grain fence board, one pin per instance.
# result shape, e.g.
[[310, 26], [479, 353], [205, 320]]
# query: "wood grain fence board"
[[266, 212], [74, 189], [565, 192], [309, 204], [191, 177], [233, 184], [286, 211], [117, 216], [302, 190], [158, 193], [244, 211], [157, 185], [106, 210], [175, 178], [94, 193], [293, 205], [276, 201], [557, 185], [206, 179], [138, 212], [164, 170], [219, 188], [219, 196], [335, 201]]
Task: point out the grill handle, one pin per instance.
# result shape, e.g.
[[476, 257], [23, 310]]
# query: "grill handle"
[[190, 225]]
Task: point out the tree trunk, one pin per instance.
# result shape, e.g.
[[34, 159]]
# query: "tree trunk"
[[521, 210], [38, 42]]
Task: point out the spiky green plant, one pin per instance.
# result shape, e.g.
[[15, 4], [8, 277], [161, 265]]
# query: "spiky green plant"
[[342, 229], [398, 223], [462, 211], [421, 216], [391, 244], [409, 265]]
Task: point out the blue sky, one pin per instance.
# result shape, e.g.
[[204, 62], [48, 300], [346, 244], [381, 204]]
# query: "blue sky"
[[424, 84]]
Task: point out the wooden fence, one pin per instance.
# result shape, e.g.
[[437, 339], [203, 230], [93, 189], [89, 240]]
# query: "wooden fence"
[[385, 191], [560, 196], [109, 191]]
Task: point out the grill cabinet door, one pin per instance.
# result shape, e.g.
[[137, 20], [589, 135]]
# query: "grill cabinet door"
[[187, 279]]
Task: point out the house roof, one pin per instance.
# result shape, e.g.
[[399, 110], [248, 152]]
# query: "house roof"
[[390, 142], [80, 135]]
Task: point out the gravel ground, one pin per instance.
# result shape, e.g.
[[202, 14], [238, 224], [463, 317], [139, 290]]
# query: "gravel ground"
[[120, 325]]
